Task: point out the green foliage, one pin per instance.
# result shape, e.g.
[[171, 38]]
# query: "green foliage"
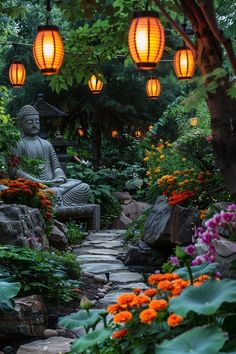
[[197, 271], [7, 292], [199, 340], [53, 276], [206, 299], [135, 229], [75, 233]]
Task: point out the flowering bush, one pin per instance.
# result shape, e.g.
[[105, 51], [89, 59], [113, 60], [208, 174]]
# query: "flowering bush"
[[179, 179], [33, 194], [148, 321]]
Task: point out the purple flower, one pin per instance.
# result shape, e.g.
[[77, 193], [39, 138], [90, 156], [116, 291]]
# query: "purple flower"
[[174, 260], [189, 250], [198, 260], [232, 207]]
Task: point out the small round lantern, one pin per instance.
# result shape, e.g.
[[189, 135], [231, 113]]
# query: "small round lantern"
[[114, 133], [48, 50], [184, 63], [153, 88], [150, 127], [138, 133], [146, 40], [193, 121], [95, 84], [80, 132], [17, 74]]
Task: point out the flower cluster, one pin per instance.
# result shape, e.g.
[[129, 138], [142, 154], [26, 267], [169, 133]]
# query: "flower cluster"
[[183, 185], [33, 194], [149, 306]]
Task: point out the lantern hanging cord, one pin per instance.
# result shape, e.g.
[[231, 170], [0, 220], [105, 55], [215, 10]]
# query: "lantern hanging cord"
[[48, 11]]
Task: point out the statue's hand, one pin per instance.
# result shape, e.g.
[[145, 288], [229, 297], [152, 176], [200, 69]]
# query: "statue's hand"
[[59, 181]]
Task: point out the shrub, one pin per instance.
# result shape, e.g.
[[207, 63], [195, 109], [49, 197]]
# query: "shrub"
[[41, 272], [135, 229]]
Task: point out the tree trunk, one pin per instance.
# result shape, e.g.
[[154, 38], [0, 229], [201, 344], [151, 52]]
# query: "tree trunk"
[[96, 141], [221, 107]]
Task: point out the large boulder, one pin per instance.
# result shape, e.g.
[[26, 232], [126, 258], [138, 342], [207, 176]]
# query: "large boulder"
[[182, 223], [134, 209], [142, 254], [28, 319], [157, 225], [21, 225]]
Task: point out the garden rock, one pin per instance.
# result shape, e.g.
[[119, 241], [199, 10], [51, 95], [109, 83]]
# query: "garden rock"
[[123, 197], [157, 225], [21, 225], [134, 209], [122, 222], [142, 254], [181, 226], [57, 238], [29, 318], [53, 345]]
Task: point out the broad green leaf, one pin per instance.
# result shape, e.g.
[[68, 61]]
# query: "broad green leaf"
[[81, 318], [199, 340], [8, 290], [204, 268], [90, 339], [205, 299]]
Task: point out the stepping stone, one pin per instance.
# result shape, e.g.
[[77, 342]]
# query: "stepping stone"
[[103, 238], [109, 298], [130, 286], [88, 258], [95, 251], [97, 243], [105, 234], [53, 345], [125, 277], [103, 267]]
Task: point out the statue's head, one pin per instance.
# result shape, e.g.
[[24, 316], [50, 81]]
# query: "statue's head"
[[28, 120]]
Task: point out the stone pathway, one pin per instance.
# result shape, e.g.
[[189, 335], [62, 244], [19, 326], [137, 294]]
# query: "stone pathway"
[[98, 255]]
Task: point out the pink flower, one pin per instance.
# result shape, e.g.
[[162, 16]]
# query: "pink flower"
[[174, 260], [189, 250], [209, 138]]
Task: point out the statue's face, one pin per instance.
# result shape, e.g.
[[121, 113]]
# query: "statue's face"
[[30, 125]]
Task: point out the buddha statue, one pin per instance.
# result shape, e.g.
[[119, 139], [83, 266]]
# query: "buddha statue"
[[69, 192]]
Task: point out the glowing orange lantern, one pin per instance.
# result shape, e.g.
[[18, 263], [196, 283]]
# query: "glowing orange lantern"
[[17, 74], [114, 133], [184, 63], [146, 40], [153, 88], [138, 133], [48, 50], [95, 84], [150, 127], [80, 132]]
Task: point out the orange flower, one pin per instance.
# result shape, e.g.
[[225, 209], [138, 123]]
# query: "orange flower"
[[113, 308], [124, 316], [176, 290], [124, 300], [119, 334], [137, 291], [140, 300], [203, 277], [150, 292], [165, 285], [174, 320], [158, 304], [147, 316], [155, 278]]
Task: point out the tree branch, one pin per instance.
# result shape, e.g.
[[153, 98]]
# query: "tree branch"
[[178, 29], [226, 42]]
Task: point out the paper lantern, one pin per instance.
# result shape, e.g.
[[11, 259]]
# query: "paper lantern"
[[114, 133], [80, 132], [153, 88], [17, 74], [138, 133], [184, 63], [146, 40], [48, 49], [95, 84]]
